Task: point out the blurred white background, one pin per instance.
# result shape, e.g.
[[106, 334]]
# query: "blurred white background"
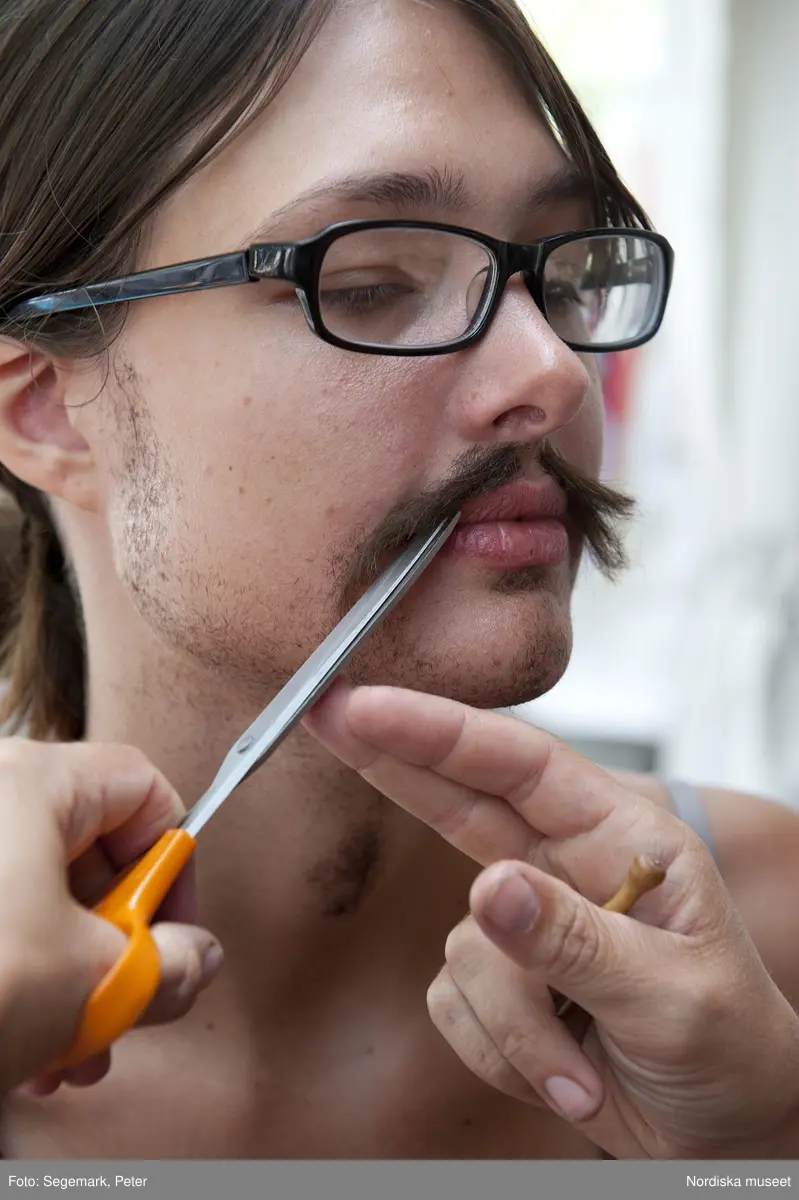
[[690, 664]]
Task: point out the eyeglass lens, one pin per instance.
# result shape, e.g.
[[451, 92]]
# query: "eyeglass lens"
[[422, 287], [604, 291]]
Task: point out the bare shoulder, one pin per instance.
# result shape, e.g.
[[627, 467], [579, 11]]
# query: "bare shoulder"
[[745, 826], [757, 850]]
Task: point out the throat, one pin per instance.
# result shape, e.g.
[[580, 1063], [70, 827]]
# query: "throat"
[[344, 879]]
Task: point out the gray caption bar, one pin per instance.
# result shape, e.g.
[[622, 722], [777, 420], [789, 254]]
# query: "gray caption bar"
[[398, 1180]]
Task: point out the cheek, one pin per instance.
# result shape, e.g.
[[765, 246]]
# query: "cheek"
[[581, 440], [270, 424]]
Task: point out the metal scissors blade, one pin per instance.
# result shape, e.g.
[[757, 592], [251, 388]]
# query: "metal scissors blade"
[[131, 903], [315, 676]]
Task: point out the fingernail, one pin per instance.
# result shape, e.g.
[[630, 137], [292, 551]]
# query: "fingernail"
[[514, 906], [212, 960], [570, 1099]]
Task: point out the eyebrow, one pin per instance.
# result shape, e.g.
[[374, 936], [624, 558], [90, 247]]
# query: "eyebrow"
[[432, 189]]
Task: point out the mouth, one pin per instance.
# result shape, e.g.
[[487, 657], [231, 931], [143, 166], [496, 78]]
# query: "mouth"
[[520, 525]]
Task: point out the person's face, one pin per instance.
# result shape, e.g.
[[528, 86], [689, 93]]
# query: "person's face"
[[245, 462]]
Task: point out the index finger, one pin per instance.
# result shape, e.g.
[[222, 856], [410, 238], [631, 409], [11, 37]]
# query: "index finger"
[[493, 786], [558, 793]]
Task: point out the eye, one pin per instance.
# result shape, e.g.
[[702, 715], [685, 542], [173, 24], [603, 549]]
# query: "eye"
[[561, 295], [356, 301]]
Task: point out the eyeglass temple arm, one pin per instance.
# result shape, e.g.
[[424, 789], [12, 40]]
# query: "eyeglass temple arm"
[[224, 270]]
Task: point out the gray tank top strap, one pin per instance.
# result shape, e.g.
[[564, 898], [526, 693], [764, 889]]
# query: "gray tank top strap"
[[687, 804]]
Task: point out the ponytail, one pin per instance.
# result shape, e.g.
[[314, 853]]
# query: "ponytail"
[[42, 656]]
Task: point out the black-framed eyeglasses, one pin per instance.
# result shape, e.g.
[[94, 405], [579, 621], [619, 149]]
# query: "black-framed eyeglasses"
[[419, 287]]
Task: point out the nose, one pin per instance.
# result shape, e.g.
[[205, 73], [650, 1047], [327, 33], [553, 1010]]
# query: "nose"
[[522, 383]]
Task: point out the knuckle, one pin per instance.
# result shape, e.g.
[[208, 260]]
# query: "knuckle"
[[472, 1041], [445, 1004], [17, 753], [545, 748], [29, 769], [461, 944], [575, 941], [107, 757], [122, 757], [498, 1070], [454, 823], [439, 1003], [181, 964], [519, 1046]]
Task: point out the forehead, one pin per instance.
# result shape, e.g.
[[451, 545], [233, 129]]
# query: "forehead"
[[387, 86]]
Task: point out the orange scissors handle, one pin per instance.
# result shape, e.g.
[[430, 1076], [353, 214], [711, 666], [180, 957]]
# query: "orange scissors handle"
[[125, 991]]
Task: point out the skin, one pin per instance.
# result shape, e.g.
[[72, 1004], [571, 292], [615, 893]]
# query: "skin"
[[689, 1036], [212, 488], [703, 1081], [96, 809]]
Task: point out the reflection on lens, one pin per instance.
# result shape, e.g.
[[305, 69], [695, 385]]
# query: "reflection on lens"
[[404, 287], [604, 291]]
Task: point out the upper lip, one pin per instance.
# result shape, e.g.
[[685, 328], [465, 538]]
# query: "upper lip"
[[524, 500]]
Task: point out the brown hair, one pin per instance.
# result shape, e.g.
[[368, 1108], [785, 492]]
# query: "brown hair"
[[99, 102]]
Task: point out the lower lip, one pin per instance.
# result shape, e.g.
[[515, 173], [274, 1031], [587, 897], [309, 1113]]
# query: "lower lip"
[[509, 544]]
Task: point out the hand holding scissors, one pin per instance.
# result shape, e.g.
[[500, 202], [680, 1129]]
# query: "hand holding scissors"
[[71, 816]]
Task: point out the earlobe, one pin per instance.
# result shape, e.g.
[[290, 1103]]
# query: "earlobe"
[[38, 442]]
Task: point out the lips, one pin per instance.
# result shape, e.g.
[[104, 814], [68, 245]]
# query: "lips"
[[522, 501], [519, 525]]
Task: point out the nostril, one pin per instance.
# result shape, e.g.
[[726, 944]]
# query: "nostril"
[[516, 422]]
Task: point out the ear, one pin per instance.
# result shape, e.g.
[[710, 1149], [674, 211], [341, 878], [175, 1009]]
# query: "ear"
[[38, 441]]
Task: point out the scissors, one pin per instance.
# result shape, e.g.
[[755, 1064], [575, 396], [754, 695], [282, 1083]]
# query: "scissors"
[[134, 897]]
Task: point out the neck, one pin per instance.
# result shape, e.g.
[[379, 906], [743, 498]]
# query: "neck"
[[305, 862]]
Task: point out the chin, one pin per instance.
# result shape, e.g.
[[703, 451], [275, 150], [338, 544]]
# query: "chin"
[[497, 655], [490, 692]]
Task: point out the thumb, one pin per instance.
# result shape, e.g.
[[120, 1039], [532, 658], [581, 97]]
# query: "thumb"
[[190, 960], [542, 924]]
